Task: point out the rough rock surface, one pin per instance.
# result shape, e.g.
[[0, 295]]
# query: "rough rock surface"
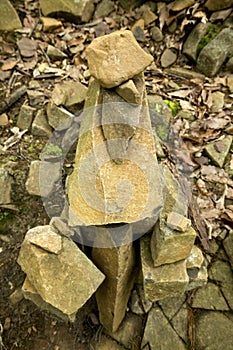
[[163, 281], [219, 150], [209, 297], [117, 264], [159, 332], [111, 58], [25, 117], [40, 125], [9, 19], [191, 44], [116, 166], [75, 10], [214, 331], [214, 5], [215, 53], [63, 282], [228, 245], [6, 182]]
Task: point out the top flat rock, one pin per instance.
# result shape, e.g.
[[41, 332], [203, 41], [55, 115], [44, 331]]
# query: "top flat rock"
[[116, 58]]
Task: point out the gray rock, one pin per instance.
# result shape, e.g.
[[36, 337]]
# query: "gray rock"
[[230, 82], [190, 47], [195, 259], [54, 53], [229, 65], [128, 332], [171, 306], [198, 280], [168, 57], [35, 97], [42, 177], [81, 10], [148, 16], [138, 303], [160, 334], [58, 117], [122, 65], [160, 115], [219, 150], [209, 297], [161, 282], [228, 246], [9, 19], [220, 271], [214, 54], [138, 33], [40, 125], [65, 280], [6, 182], [156, 34], [104, 8], [186, 73], [25, 117], [117, 264], [214, 331], [213, 5]]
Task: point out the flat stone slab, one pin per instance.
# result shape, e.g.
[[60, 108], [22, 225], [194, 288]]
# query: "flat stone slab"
[[164, 281], [6, 181], [64, 279], [209, 297], [159, 332], [9, 19], [111, 58]]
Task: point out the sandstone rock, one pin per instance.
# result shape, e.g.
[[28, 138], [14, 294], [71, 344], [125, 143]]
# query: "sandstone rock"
[[35, 97], [220, 271], [111, 58], [168, 245], [129, 92], [156, 34], [168, 57], [65, 280], [69, 9], [104, 8], [117, 264], [217, 101], [58, 117], [54, 53], [190, 47], [159, 332], [70, 94], [198, 280], [30, 293], [164, 281], [47, 239], [25, 117], [230, 82], [209, 297], [9, 19], [3, 119], [179, 5], [178, 222], [128, 332], [42, 177], [219, 150], [186, 73], [149, 16], [50, 24], [106, 344], [6, 182], [139, 23], [206, 335], [195, 259], [170, 306], [213, 5], [214, 54], [40, 126], [116, 153], [228, 246], [229, 65]]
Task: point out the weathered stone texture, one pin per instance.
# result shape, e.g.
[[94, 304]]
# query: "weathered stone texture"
[[112, 61]]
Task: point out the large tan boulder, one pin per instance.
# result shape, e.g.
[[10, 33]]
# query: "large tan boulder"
[[9, 19], [116, 58]]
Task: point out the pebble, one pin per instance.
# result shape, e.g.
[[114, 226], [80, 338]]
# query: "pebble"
[[168, 58]]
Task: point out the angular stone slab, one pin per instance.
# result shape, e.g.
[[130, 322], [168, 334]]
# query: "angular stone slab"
[[159, 332], [195, 259], [193, 40], [219, 150], [164, 281], [117, 264], [116, 176], [178, 222], [6, 182], [228, 246], [198, 280], [169, 245], [9, 19], [214, 54], [129, 92], [70, 94], [111, 58], [65, 280], [209, 297]]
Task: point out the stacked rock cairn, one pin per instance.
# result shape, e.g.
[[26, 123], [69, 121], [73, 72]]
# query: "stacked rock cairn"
[[122, 203]]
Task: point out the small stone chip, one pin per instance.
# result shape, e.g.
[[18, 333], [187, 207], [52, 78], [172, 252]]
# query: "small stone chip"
[[178, 222]]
